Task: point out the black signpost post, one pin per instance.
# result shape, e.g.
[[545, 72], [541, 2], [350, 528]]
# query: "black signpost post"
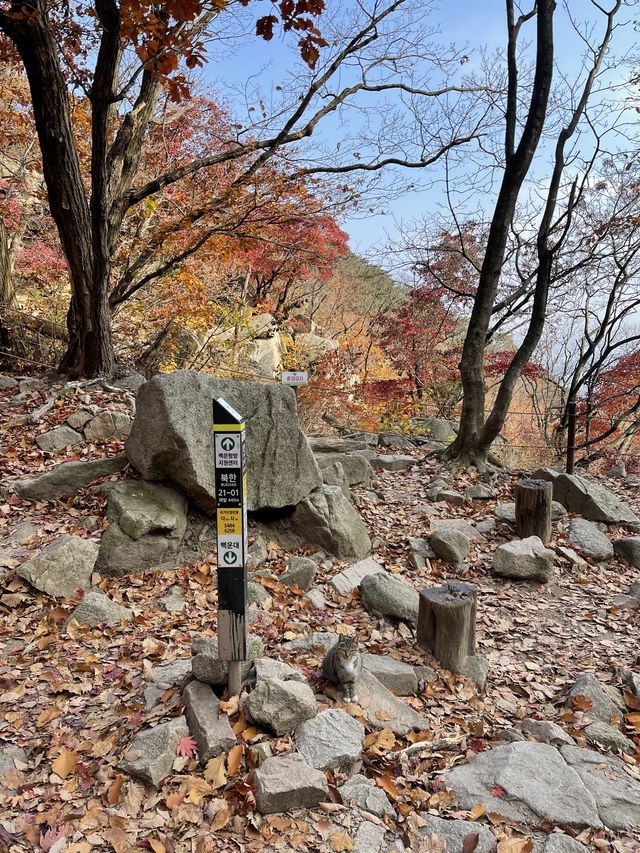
[[231, 525]]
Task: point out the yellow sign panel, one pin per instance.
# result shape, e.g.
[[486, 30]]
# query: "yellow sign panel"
[[229, 522]]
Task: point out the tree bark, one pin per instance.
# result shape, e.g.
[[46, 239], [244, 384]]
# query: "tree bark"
[[533, 509]]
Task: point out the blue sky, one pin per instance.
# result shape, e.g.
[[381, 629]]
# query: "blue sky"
[[471, 25]]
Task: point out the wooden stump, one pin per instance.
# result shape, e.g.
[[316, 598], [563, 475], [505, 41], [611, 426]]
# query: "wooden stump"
[[447, 623], [533, 509]]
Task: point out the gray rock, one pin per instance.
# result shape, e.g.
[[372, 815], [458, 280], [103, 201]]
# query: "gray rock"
[[590, 500], [10, 754], [546, 732], [8, 383], [78, 419], [327, 519], [211, 732], [300, 573], [557, 843], [287, 782], [257, 552], [336, 443], [158, 747], [359, 792], [618, 472], [267, 669], [108, 424], [525, 559], [130, 382], [426, 674], [208, 668], [451, 497], [631, 680], [386, 595], [616, 794], [58, 438], [25, 531], [62, 566], [632, 480], [31, 384], [450, 545], [574, 558], [422, 548], [356, 469], [606, 703], [173, 601], [280, 706], [538, 784], [351, 577], [628, 547], [369, 438], [476, 668], [318, 640], [487, 525], [172, 438], [257, 594], [333, 475], [479, 492], [147, 525], [332, 740], [394, 713], [166, 677], [68, 478], [439, 430], [369, 838], [454, 833], [96, 608], [395, 439], [507, 512], [630, 600], [316, 598], [393, 463], [607, 737], [460, 524], [259, 752], [396, 676], [588, 540]]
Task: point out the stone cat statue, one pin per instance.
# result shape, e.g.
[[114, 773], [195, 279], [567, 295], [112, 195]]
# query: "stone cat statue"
[[342, 665]]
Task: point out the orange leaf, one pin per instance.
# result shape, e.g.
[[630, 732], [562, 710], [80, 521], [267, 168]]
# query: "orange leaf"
[[235, 759], [65, 763], [340, 842], [114, 790], [581, 703], [515, 845]]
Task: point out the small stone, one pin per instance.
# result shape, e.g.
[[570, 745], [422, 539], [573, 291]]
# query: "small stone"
[[58, 438], [166, 677], [359, 792], [108, 424], [395, 439], [31, 384], [487, 525], [173, 601], [287, 782], [396, 676], [22, 533], [392, 463], [267, 669], [77, 420], [318, 640], [62, 567], [546, 732], [450, 545], [472, 534], [316, 598], [280, 706], [618, 471], [369, 838], [588, 540], [332, 740], [8, 382], [417, 562], [96, 608], [258, 595], [207, 727], [525, 559], [68, 478], [557, 843], [208, 668], [383, 709], [629, 548], [257, 552], [476, 668], [426, 674], [455, 831], [9, 754], [574, 558], [451, 497], [479, 492], [259, 752], [158, 747], [606, 703], [607, 737], [422, 548], [346, 581], [300, 573], [387, 595]]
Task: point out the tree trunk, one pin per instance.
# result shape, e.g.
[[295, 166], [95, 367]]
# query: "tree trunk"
[[533, 509], [447, 623]]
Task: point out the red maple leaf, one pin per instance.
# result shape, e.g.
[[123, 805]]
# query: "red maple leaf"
[[498, 791], [187, 747]]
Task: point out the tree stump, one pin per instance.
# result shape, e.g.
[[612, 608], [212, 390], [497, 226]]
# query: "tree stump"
[[533, 509], [447, 623]]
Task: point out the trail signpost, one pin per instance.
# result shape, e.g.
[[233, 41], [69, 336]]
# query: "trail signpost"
[[231, 528], [295, 378]]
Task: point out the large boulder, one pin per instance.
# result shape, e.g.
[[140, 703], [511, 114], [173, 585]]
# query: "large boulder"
[[439, 430], [172, 438], [68, 478], [152, 753], [327, 519], [280, 706], [331, 741], [62, 567], [590, 500], [356, 469], [386, 595], [287, 782], [525, 559], [629, 548]]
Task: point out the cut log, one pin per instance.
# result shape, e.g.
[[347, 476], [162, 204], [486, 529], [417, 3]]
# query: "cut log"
[[533, 509], [447, 623]]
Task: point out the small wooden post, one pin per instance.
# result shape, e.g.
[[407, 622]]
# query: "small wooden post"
[[571, 436], [533, 509], [447, 623], [231, 529]]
